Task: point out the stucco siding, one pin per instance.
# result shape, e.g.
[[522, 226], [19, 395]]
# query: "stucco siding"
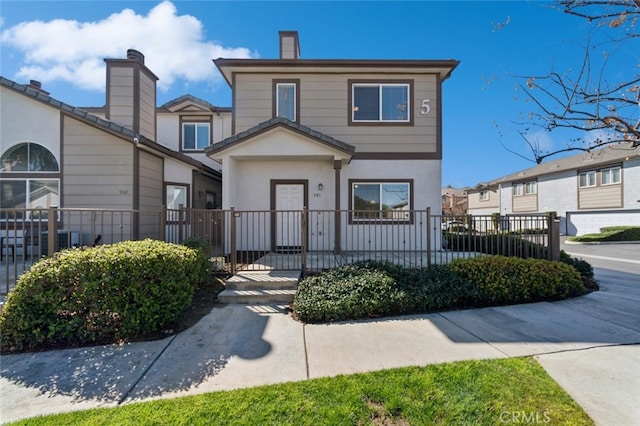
[[98, 168], [557, 192], [26, 120], [324, 107]]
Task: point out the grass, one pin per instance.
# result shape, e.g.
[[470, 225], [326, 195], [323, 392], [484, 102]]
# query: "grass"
[[469, 392], [611, 234]]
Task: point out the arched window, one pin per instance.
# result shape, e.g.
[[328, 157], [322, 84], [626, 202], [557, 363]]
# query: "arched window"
[[29, 157], [30, 180]]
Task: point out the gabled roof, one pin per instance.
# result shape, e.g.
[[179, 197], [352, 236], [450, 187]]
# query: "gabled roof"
[[188, 102], [101, 123], [284, 123], [610, 154]]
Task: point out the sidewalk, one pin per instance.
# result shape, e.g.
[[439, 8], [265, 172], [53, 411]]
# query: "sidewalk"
[[589, 345]]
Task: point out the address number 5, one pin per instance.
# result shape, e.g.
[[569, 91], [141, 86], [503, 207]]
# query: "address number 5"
[[425, 107]]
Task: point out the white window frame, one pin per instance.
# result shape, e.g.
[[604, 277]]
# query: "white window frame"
[[531, 187], [610, 172], [590, 179], [518, 189], [294, 98], [484, 195], [196, 124], [173, 214], [380, 86], [27, 200]]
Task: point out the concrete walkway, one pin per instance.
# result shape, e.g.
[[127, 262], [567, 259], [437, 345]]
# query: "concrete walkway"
[[589, 345]]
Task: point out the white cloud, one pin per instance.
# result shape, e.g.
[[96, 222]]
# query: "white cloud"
[[66, 50]]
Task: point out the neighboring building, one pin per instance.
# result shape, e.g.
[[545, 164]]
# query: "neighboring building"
[[333, 135], [126, 155], [454, 201], [587, 191]]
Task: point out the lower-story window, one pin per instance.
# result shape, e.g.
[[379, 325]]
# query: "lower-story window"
[[28, 194], [177, 197], [381, 200]]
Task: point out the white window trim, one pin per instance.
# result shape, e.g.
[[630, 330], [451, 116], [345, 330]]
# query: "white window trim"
[[484, 195], [380, 103], [610, 171], [196, 123], [518, 189], [28, 193], [595, 180], [534, 184], [295, 94]]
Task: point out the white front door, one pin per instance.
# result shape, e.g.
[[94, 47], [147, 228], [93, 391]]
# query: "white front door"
[[289, 204]]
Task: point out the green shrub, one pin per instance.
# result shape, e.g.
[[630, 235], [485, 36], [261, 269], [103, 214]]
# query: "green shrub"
[[502, 244], [611, 234], [507, 280], [436, 288], [102, 294], [362, 290]]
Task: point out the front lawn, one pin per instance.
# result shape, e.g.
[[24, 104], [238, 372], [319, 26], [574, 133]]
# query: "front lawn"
[[504, 391]]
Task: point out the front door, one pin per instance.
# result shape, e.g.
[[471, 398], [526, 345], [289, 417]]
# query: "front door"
[[289, 202]]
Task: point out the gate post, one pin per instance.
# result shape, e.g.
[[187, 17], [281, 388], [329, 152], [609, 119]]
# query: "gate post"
[[52, 230], [429, 237], [554, 236], [303, 240], [232, 241]]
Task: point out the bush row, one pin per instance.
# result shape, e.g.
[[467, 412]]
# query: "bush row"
[[373, 289], [101, 294]]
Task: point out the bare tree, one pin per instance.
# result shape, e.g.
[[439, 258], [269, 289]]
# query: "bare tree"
[[588, 99]]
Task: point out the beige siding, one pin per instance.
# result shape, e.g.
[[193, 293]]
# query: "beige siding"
[[475, 202], [121, 96], [147, 107], [324, 107], [98, 168], [600, 197], [525, 203], [151, 194]]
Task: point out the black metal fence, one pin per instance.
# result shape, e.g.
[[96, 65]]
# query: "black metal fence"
[[306, 240]]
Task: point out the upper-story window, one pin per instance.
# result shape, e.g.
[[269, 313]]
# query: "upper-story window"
[[380, 102], [518, 189], [525, 188], [196, 136], [484, 195], [286, 99], [531, 187], [587, 179], [611, 176]]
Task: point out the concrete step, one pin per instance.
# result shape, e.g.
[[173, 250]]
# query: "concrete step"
[[257, 297], [255, 280], [260, 287]]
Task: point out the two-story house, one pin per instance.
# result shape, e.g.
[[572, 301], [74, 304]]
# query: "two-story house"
[[332, 135], [587, 191], [127, 155]]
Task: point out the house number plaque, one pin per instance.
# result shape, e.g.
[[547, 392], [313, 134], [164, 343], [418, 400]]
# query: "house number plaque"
[[425, 108]]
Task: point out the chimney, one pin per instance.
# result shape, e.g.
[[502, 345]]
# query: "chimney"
[[131, 94], [289, 45], [37, 86], [135, 55]]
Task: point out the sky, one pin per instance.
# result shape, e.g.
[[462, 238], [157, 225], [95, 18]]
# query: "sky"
[[63, 44]]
